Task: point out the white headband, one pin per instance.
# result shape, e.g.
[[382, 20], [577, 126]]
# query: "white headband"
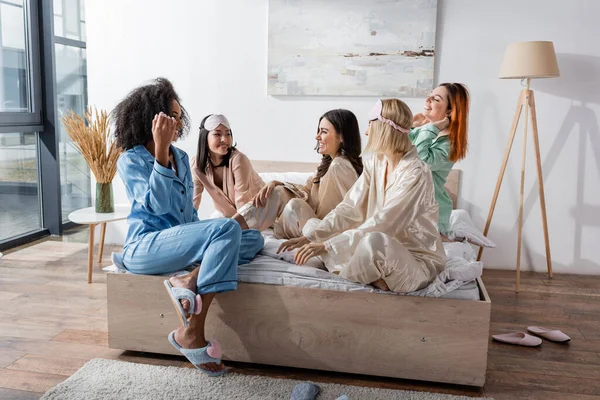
[[214, 121]]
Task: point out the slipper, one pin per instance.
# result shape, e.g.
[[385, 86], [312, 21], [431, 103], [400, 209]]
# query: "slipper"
[[176, 294], [553, 335], [305, 391], [211, 353], [518, 338]]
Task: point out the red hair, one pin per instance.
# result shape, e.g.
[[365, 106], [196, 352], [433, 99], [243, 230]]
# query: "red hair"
[[458, 104]]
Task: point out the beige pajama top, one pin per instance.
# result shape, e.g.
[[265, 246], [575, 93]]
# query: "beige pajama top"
[[405, 210], [240, 184]]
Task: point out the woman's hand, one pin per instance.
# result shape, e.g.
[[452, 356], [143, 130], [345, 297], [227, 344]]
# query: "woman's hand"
[[309, 251], [292, 244], [442, 124], [419, 120], [164, 129], [260, 199]]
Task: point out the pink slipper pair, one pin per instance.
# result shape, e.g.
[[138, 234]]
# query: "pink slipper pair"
[[524, 339]]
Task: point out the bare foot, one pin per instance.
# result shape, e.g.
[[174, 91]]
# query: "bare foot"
[[186, 339], [380, 284], [187, 282]]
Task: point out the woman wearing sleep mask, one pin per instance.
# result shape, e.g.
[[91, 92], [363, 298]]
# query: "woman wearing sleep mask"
[[221, 169], [384, 232], [286, 206]]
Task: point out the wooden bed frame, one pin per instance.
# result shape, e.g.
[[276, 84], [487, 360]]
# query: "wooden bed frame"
[[420, 338]]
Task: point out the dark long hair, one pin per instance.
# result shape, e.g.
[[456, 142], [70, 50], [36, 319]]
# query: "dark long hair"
[[134, 114], [203, 153], [345, 124], [458, 104]]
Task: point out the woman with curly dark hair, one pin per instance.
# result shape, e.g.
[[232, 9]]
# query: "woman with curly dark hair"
[[164, 233], [287, 206]]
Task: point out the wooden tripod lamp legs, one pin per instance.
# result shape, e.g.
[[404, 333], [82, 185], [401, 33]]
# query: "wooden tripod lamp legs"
[[526, 99], [540, 175]]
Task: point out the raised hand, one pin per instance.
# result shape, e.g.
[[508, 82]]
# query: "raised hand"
[[442, 124], [419, 120], [164, 129]]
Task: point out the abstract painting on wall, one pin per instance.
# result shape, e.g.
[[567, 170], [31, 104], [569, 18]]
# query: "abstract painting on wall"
[[351, 47]]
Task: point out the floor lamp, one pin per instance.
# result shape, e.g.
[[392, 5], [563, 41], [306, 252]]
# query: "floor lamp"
[[526, 61]]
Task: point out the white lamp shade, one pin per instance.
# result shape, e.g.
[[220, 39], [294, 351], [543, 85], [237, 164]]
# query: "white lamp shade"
[[529, 60]]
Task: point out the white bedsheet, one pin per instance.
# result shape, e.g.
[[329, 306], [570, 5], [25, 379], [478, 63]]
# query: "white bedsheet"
[[278, 269], [267, 270], [456, 281]]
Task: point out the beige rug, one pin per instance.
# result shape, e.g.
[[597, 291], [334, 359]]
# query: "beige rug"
[[107, 379]]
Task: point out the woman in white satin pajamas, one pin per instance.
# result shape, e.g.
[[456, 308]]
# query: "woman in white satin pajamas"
[[384, 232]]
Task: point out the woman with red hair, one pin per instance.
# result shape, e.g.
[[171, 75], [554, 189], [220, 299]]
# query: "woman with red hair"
[[440, 136]]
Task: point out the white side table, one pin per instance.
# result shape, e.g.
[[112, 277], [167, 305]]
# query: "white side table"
[[88, 216]]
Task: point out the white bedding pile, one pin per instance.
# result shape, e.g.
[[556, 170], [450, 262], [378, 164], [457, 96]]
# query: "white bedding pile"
[[278, 269]]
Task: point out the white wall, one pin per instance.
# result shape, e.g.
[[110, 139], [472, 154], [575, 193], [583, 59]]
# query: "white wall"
[[215, 52]]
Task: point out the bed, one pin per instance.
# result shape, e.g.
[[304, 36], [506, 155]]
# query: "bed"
[[294, 316]]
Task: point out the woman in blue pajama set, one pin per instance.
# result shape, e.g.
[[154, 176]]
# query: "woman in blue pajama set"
[[164, 233]]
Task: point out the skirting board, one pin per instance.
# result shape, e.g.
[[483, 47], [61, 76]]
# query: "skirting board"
[[420, 338]]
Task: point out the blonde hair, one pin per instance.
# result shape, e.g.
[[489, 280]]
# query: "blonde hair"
[[385, 139]]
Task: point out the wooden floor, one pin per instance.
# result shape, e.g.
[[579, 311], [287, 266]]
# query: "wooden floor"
[[53, 322]]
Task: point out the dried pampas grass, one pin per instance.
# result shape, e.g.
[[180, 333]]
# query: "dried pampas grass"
[[93, 140]]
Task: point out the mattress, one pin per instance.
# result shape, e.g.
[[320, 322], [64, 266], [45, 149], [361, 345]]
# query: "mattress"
[[457, 281], [271, 271]]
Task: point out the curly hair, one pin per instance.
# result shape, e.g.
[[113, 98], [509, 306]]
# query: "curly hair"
[[134, 114], [346, 125]]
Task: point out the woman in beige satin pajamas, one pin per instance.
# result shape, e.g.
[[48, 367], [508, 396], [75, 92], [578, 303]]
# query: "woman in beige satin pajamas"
[[384, 232], [286, 206]]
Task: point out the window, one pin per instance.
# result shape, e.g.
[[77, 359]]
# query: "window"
[[14, 80], [19, 185], [20, 77], [42, 176], [71, 91], [69, 19]]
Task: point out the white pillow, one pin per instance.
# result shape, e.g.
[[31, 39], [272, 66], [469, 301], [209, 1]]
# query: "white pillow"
[[292, 177], [462, 227]]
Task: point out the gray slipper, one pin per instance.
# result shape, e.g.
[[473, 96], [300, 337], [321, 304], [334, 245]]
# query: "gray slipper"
[[211, 353], [305, 391], [176, 294]]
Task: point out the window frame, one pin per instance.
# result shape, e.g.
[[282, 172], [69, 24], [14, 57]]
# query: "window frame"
[[28, 121], [43, 117]]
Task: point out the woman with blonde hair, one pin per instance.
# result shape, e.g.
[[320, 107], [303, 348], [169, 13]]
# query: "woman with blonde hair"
[[440, 136], [384, 232]]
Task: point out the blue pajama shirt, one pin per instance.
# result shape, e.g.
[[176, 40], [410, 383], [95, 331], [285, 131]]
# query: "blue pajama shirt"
[[165, 234]]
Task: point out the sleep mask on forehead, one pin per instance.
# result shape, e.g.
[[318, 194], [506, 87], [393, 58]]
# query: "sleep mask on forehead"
[[214, 121], [375, 114]]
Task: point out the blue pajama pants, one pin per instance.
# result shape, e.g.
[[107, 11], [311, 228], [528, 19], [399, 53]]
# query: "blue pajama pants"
[[219, 245]]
